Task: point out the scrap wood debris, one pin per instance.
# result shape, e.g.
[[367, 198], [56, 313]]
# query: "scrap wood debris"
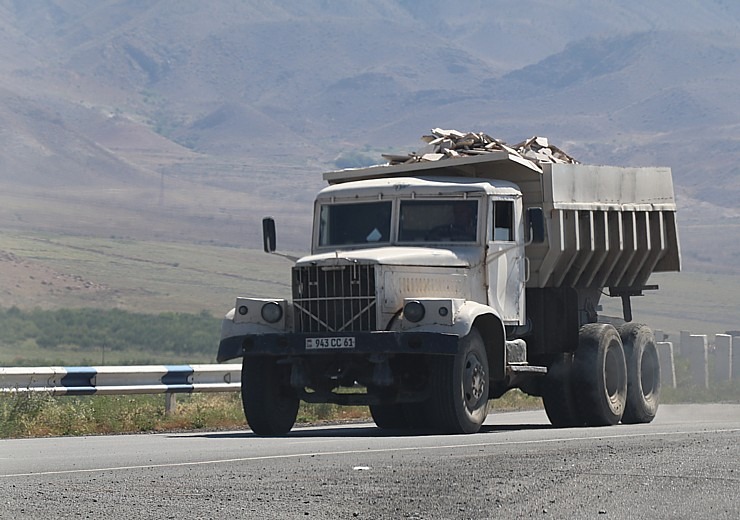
[[447, 144]]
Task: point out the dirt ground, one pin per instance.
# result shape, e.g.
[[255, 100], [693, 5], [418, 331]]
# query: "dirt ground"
[[29, 283]]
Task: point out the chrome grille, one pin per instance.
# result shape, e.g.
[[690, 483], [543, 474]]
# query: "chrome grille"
[[334, 298]]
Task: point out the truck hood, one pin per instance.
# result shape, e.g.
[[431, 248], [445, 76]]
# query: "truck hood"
[[414, 256]]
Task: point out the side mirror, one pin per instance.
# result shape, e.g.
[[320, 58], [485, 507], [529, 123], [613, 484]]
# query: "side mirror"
[[536, 223], [269, 236]]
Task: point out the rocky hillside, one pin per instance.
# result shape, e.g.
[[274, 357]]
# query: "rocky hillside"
[[190, 119]]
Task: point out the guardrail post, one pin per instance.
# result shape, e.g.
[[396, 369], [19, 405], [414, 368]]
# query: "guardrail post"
[[698, 354], [667, 365], [735, 344], [722, 357], [170, 403]]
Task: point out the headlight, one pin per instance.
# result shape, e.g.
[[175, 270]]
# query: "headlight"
[[272, 312], [414, 311]]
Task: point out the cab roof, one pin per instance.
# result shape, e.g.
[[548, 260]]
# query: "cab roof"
[[422, 186]]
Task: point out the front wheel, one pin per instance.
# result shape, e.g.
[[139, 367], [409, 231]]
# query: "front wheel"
[[459, 396], [388, 416], [270, 404], [400, 416]]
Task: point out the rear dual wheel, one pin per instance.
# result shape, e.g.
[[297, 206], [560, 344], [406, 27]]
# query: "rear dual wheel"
[[600, 375], [588, 387], [558, 396], [643, 373]]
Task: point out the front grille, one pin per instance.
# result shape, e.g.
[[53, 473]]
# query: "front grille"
[[334, 298]]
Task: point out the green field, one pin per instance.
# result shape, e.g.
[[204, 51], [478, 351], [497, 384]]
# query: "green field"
[[39, 271], [55, 271], [141, 276]]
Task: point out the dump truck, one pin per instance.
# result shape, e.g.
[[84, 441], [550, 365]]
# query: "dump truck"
[[434, 286]]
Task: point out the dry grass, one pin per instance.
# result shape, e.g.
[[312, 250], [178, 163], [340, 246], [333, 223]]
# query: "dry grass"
[[38, 270], [40, 415]]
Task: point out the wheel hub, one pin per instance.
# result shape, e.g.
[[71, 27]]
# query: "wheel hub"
[[474, 380]]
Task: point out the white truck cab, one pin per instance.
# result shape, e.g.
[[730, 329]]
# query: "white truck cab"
[[430, 237]]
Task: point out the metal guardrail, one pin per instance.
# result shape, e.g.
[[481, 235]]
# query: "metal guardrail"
[[120, 380]]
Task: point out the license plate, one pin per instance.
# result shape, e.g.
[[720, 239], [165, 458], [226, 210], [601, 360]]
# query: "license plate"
[[337, 342]]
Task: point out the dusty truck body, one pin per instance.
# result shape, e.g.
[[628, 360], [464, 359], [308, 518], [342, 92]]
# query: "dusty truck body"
[[436, 286]]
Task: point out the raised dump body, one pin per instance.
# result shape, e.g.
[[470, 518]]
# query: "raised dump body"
[[607, 226]]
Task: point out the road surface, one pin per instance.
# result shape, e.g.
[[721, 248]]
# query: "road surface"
[[686, 464]]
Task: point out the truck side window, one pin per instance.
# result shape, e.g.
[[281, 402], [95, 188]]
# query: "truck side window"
[[503, 221]]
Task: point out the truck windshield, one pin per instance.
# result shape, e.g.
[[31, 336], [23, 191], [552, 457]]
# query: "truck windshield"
[[439, 221], [355, 224]]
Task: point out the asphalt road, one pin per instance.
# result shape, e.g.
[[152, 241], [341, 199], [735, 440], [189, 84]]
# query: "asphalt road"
[[686, 464]]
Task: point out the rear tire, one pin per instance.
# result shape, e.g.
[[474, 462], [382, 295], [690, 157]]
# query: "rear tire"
[[600, 375], [558, 397], [643, 373], [459, 393], [270, 404]]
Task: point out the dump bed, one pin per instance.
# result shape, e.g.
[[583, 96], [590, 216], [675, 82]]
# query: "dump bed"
[[606, 226]]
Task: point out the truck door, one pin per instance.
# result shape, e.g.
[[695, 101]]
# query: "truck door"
[[505, 259]]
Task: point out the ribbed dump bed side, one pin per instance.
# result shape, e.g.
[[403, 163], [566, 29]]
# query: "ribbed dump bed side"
[[606, 227]]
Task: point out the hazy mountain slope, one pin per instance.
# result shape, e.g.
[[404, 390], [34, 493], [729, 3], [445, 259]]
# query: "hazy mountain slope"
[[634, 99], [209, 114]]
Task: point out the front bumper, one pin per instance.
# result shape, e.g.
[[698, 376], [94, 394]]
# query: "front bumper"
[[378, 342]]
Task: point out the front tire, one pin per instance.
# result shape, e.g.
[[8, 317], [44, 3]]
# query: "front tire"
[[600, 375], [270, 404], [400, 416], [643, 373], [459, 393], [388, 416]]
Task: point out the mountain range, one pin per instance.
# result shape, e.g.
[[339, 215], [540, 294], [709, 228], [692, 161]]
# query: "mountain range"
[[188, 120]]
